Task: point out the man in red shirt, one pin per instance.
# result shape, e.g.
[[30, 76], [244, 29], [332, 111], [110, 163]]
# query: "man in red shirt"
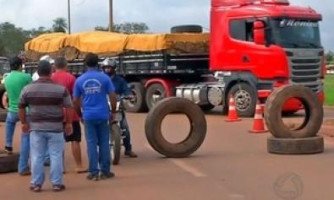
[[63, 77]]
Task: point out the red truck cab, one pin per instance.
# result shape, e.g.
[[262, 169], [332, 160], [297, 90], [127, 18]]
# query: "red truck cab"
[[266, 44]]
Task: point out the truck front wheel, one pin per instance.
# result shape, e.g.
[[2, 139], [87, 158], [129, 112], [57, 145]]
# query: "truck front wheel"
[[155, 93], [244, 98], [137, 104]]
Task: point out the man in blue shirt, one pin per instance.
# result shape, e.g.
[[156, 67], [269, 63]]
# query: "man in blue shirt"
[[122, 89], [90, 92]]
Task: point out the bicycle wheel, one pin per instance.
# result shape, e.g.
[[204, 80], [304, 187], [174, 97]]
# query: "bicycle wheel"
[[115, 143]]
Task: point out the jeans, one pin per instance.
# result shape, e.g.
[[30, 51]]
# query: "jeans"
[[11, 120], [24, 153], [126, 133], [39, 142], [98, 149]]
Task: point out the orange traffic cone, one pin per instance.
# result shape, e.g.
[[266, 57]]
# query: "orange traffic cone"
[[258, 124], [232, 113]]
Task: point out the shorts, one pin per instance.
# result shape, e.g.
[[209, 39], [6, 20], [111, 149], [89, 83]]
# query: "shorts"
[[76, 135]]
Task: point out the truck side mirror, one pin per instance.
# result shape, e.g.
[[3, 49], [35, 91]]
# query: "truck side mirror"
[[259, 33]]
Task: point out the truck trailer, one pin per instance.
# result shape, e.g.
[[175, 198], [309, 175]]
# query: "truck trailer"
[[254, 46]]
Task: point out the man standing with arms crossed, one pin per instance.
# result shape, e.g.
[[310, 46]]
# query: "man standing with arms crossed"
[[64, 78], [90, 92], [14, 83], [49, 103]]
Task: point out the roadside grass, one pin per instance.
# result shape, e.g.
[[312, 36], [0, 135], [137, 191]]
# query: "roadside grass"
[[329, 90]]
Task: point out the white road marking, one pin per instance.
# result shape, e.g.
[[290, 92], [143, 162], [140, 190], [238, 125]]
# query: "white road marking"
[[184, 166], [192, 170]]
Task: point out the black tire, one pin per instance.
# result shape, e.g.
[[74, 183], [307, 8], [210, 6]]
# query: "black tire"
[[187, 29], [115, 144], [206, 107], [9, 163], [197, 131], [308, 145], [155, 93], [3, 115], [313, 112], [2, 91], [245, 98], [288, 113], [138, 104]]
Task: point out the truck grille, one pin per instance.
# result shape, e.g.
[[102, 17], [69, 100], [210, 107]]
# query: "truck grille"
[[306, 71]]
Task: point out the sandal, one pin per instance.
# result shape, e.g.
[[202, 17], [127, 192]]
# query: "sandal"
[[80, 170], [36, 188], [58, 188]]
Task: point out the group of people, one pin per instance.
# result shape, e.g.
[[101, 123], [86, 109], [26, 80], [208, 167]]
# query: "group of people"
[[50, 109]]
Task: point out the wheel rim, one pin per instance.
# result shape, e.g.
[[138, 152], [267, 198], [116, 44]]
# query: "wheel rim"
[[242, 99], [157, 96], [133, 101]]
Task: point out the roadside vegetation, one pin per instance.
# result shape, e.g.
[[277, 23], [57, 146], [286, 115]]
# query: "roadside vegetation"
[[329, 90]]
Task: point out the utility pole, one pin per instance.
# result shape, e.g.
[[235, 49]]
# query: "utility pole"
[[111, 21], [69, 16]]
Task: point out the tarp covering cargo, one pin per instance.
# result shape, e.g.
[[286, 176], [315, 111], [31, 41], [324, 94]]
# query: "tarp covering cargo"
[[110, 44], [47, 43], [97, 42]]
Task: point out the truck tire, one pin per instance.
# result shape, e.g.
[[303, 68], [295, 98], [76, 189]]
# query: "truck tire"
[[245, 98], [8, 163], [197, 131], [187, 29], [138, 104], [313, 112], [206, 107], [155, 93], [3, 115], [308, 145], [115, 143]]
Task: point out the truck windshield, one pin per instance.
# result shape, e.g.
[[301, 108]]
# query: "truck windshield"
[[291, 33]]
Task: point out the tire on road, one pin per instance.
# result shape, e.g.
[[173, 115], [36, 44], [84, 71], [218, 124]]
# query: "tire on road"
[[115, 147], [245, 99], [138, 104], [155, 93], [3, 115], [313, 112], [187, 29], [8, 163], [310, 145], [197, 131]]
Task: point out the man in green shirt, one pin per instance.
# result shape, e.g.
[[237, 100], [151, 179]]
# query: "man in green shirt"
[[14, 83]]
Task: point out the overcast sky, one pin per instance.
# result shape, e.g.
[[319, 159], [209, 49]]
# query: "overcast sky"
[[159, 15]]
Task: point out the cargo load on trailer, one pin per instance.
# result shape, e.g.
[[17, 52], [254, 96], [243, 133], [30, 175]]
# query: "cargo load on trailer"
[[104, 44]]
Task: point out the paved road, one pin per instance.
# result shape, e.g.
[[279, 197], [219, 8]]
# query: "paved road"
[[232, 164]]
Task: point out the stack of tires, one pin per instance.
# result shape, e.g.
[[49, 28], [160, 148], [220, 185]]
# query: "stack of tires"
[[299, 140]]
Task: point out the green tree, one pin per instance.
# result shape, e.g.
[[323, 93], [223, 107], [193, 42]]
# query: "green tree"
[[127, 27], [59, 25], [12, 39], [329, 57]]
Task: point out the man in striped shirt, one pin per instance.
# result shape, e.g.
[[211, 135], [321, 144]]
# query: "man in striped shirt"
[[46, 101]]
